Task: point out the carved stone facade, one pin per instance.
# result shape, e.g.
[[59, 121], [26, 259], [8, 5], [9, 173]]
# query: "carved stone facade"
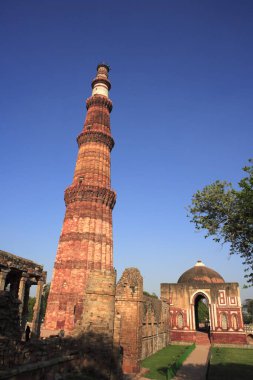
[[224, 325], [82, 292], [17, 275]]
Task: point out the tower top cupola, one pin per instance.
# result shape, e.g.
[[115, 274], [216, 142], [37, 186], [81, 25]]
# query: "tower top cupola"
[[101, 84]]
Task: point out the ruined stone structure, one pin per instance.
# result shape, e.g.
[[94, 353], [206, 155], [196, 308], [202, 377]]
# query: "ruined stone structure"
[[142, 328], [224, 325], [17, 275], [83, 285]]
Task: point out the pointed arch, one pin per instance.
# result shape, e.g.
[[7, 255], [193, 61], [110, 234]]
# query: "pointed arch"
[[197, 293]]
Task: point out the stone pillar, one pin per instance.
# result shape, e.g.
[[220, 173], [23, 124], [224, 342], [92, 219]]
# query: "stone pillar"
[[3, 275], [36, 310], [24, 315], [21, 293]]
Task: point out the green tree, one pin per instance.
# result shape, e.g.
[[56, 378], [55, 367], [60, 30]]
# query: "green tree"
[[226, 214], [149, 294], [31, 303], [44, 300], [32, 300], [250, 306], [247, 310], [203, 313]]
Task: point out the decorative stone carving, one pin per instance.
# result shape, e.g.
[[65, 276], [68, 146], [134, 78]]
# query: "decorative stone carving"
[[100, 101], [83, 192], [97, 137]]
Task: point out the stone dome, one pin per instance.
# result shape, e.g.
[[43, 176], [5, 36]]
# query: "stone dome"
[[200, 274]]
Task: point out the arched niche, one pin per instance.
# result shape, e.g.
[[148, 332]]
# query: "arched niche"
[[201, 312]]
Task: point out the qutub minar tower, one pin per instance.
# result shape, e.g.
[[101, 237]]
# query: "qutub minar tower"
[[82, 294]]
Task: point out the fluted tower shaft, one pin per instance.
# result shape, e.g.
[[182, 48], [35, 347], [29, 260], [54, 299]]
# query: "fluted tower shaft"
[[85, 250]]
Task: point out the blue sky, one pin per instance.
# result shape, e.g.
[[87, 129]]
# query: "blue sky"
[[182, 91]]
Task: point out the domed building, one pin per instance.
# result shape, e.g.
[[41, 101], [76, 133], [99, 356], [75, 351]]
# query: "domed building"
[[204, 308], [200, 274]]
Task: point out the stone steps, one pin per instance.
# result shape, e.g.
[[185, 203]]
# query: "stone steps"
[[202, 338]]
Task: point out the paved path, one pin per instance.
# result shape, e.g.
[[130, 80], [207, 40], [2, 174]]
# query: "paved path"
[[195, 366]]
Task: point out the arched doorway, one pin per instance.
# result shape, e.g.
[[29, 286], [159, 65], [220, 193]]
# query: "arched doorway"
[[201, 311]]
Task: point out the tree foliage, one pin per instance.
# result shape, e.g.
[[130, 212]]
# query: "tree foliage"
[[226, 214], [150, 294], [203, 313], [31, 303], [249, 303], [32, 300], [45, 294], [247, 311]]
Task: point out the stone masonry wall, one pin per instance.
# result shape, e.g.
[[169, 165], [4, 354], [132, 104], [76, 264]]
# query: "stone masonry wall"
[[154, 326], [128, 307], [9, 316], [141, 322], [99, 303]]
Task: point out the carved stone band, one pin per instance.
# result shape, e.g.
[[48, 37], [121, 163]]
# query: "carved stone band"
[[80, 236], [83, 192], [95, 137], [98, 100]]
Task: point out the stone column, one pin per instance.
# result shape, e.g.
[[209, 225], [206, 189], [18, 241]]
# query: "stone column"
[[36, 310], [3, 275], [25, 310], [21, 295]]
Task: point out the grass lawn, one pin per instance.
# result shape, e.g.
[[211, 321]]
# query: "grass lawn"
[[231, 363], [161, 361]]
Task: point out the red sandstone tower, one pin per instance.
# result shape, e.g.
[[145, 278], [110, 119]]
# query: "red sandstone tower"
[[82, 293]]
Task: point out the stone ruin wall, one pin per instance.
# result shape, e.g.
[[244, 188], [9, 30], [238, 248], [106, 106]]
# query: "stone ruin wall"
[[17, 275], [141, 322], [154, 326], [99, 303], [88, 354], [9, 316]]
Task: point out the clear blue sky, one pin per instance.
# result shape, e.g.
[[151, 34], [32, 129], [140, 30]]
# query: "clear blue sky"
[[182, 89]]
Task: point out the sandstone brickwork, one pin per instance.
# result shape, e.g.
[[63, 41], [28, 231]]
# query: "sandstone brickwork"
[[99, 303], [141, 322], [84, 277], [128, 305], [155, 327]]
